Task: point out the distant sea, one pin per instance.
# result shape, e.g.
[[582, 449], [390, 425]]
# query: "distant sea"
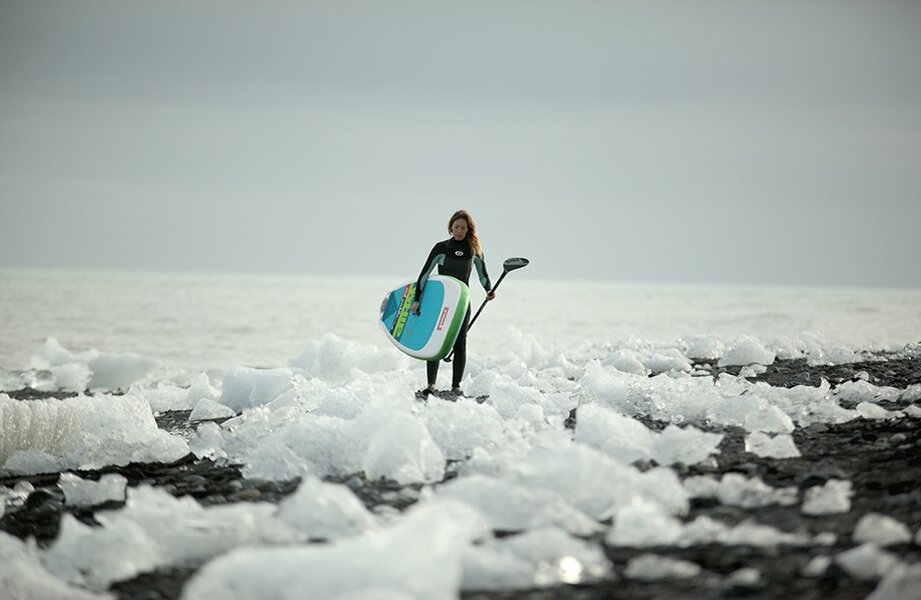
[[200, 321]]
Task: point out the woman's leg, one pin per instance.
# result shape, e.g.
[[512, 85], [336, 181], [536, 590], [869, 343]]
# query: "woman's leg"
[[431, 372], [460, 353]]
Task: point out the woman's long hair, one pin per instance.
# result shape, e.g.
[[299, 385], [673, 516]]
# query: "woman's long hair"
[[472, 238]]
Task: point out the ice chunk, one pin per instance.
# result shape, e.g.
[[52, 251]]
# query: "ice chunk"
[[652, 567], [766, 446], [162, 397], [705, 347], [207, 442], [667, 360], [817, 566], [81, 433], [156, 530], [311, 445], [746, 578], [22, 575], [881, 530], [244, 387], [644, 524], [626, 361], [335, 359], [72, 376], [110, 371], [866, 562], [16, 495], [901, 582], [688, 445], [868, 410], [206, 410], [404, 451], [752, 371], [616, 435], [854, 392], [95, 557], [831, 498], [746, 350], [12, 381], [420, 556], [539, 558], [459, 427], [326, 511], [749, 533], [572, 472], [628, 440], [86, 492], [200, 387], [737, 490], [702, 486], [511, 507]]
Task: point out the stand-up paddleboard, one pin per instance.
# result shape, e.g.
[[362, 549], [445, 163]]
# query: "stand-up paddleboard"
[[430, 334]]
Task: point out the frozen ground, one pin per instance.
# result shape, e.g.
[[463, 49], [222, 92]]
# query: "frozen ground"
[[705, 467]]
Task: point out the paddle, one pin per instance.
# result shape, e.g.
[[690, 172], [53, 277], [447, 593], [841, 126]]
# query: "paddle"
[[508, 266]]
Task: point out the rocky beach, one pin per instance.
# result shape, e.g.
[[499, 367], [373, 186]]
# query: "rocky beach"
[[844, 552]]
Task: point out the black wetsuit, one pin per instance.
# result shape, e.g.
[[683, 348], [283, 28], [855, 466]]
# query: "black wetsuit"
[[454, 259]]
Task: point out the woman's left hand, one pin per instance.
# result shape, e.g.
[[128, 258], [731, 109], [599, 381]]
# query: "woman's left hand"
[[490, 296]]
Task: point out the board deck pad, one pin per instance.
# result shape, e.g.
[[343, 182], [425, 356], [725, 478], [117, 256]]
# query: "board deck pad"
[[430, 334]]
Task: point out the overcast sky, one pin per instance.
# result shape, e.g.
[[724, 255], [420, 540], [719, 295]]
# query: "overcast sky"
[[681, 141]]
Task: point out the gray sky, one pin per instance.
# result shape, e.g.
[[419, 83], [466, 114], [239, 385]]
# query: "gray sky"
[[681, 141]]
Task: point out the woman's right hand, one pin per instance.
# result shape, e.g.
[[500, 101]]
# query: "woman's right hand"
[[414, 309]]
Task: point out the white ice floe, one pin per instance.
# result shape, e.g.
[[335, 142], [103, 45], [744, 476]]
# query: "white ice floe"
[[627, 439], [86, 492], [855, 392], [818, 566], [627, 361], [206, 410], [23, 577], [901, 582], [866, 562], [326, 511], [652, 567], [869, 410], [571, 471], [737, 490], [244, 387], [881, 530], [420, 556], [541, 557], [335, 359], [403, 451], [82, 433], [745, 350], [765, 445], [511, 507], [91, 369], [644, 524], [156, 530], [833, 497]]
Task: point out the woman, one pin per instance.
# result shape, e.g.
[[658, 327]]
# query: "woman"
[[455, 257]]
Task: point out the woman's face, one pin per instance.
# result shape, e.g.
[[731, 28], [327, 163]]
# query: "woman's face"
[[459, 229]]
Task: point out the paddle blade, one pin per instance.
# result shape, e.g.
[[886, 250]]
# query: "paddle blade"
[[511, 264]]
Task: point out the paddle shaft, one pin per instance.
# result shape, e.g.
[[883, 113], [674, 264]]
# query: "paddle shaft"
[[479, 310]]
